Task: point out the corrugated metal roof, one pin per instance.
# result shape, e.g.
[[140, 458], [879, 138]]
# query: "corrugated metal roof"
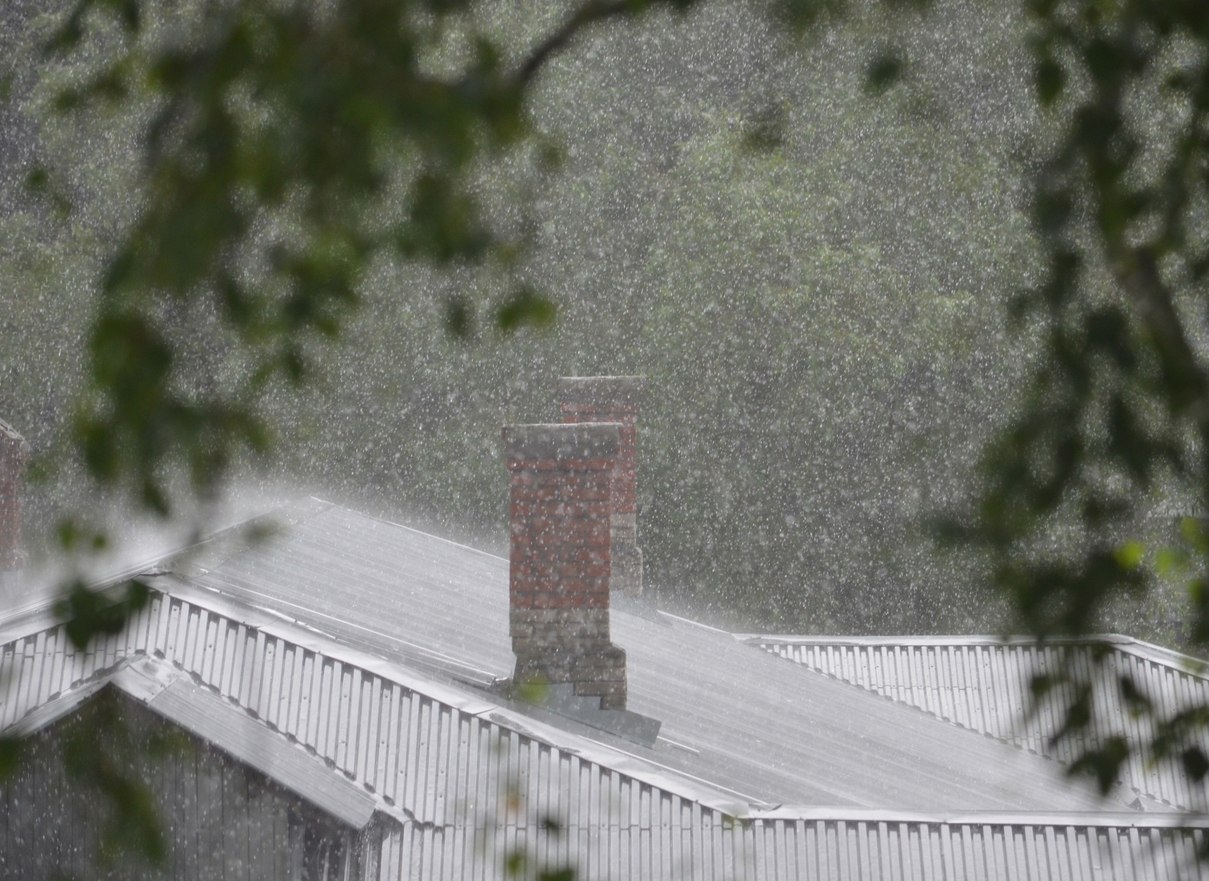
[[467, 779], [373, 721], [750, 723], [982, 683], [203, 713], [471, 781], [689, 846]]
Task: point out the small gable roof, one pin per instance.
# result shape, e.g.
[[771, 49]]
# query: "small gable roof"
[[169, 693]]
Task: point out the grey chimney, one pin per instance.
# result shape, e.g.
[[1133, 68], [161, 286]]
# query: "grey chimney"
[[614, 399]]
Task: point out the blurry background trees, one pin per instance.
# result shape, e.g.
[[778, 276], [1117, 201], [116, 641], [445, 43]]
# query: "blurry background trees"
[[812, 279], [203, 195], [200, 195]]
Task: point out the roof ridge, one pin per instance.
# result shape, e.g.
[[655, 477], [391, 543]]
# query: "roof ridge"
[[412, 529], [1141, 648]]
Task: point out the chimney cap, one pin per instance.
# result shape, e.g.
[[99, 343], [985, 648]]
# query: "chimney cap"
[[602, 390], [579, 440]]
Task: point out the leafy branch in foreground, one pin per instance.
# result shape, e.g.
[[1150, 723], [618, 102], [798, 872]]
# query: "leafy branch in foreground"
[[287, 151], [1115, 424]]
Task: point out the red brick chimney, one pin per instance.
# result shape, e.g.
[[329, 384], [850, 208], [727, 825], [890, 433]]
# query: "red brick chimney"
[[14, 454], [561, 561], [614, 399]]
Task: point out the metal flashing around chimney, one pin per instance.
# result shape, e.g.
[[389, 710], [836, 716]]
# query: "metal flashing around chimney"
[[614, 399], [558, 704]]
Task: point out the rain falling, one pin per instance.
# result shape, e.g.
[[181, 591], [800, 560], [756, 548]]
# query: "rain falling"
[[602, 442]]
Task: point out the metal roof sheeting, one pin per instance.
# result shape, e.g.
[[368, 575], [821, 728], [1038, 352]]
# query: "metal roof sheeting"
[[463, 780], [668, 843], [792, 850], [203, 713], [441, 757], [469, 790], [748, 722], [982, 683]]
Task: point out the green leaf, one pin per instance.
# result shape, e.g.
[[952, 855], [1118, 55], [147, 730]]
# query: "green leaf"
[[138, 594], [1135, 699], [88, 613], [128, 12], [68, 34], [534, 691], [1170, 561], [1104, 61], [1130, 554], [1041, 684], [38, 179], [68, 533], [1103, 764], [1196, 765], [459, 322], [1193, 531], [1049, 78], [11, 750], [525, 307], [515, 863], [884, 71], [551, 156]]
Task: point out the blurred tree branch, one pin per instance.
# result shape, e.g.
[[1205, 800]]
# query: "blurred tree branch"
[[288, 146], [1116, 420]]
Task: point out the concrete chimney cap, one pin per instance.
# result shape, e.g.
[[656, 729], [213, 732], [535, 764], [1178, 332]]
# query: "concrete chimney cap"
[[579, 440], [602, 390], [11, 442]]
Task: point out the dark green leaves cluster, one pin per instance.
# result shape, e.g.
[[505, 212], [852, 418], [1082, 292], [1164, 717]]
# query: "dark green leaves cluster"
[[287, 146], [91, 613], [133, 827], [1115, 425]]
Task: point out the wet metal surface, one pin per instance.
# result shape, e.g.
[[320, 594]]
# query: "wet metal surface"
[[764, 770], [982, 683]]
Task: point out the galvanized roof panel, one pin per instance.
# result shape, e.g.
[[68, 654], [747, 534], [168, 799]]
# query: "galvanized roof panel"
[[204, 714], [982, 683], [789, 850], [467, 779], [754, 725], [468, 788]]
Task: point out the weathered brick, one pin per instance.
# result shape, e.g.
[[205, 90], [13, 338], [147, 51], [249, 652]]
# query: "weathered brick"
[[560, 508], [614, 399]]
